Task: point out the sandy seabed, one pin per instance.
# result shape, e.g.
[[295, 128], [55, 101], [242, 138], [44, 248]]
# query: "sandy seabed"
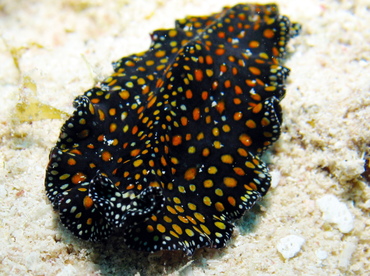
[[318, 207]]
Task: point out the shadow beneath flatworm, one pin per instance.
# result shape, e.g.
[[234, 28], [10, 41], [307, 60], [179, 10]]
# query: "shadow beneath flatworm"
[[114, 258]]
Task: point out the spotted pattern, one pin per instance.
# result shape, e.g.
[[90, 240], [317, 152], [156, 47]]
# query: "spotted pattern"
[[166, 151]]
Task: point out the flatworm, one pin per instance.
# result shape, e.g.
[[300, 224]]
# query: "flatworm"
[[166, 151]]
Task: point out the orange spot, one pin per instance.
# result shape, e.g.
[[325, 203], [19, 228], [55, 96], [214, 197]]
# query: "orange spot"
[[238, 90], [220, 107], [95, 100], [159, 83], [91, 109], [270, 88], [135, 152], [221, 35], [154, 184], [112, 111], [242, 152], [101, 138], [179, 208], [214, 85], [231, 200], [151, 102], [208, 183], [205, 229], [101, 115], [254, 44], [219, 206], [254, 70], [238, 116], [227, 159], [260, 82], [78, 178], [257, 108], [245, 139], [135, 129], [198, 73], [113, 82], [106, 156], [140, 111], [189, 94], [112, 127], [71, 162], [171, 210], [220, 51], [88, 202], [265, 121], [183, 219], [253, 186], [161, 228], [124, 94], [160, 53], [268, 33], [167, 219], [251, 83], [209, 60], [192, 220], [137, 162], [230, 182], [196, 114], [190, 174], [241, 16], [205, 152], [176, 140], [275, 51], [227, 83], [250, 124], [163, 161], [184, 121], [207, 201], [130, 187], [256, 97], [76, 151], [130, 63], [223, 68], [149, 228], [145, 89], [204, 95], [239, 171], [237, 101], [177, 229]]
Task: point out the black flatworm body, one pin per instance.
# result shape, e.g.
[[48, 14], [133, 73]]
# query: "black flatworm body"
[[167, 150]]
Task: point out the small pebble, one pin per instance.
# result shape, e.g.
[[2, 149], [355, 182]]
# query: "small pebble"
[[321, 254], [289, 246], [336, 212]]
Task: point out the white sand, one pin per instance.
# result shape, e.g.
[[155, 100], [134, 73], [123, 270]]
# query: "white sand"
[[65, 47]]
